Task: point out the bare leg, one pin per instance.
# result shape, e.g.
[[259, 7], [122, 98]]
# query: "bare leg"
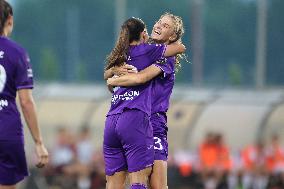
[[7, 187], [140, 177], [116, 181], [159, 175]]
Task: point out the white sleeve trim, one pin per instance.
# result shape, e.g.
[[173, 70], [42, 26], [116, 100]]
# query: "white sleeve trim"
[[164, 73]]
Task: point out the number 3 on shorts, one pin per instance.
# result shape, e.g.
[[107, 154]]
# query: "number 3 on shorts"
[[3, 77], [158, 145]]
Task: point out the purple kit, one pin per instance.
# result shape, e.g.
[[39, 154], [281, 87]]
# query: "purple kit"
[[15, 74]]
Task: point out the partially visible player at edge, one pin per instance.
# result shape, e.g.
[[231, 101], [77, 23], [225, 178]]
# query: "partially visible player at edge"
[[15, 78], [167, 30], [128, 136]]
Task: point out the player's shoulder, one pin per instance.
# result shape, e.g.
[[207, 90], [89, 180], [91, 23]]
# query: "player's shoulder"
[[153, 45], [168, 60], [148, 47], [167, 64], [140, 49], [15, 48]]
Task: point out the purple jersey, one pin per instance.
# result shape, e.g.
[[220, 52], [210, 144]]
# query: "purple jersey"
[[138, 97], [15, 74], [163, 85]]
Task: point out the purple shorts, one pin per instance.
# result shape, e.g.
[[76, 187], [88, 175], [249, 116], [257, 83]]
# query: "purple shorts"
[[160, 132], [128, 142], [13, 165]]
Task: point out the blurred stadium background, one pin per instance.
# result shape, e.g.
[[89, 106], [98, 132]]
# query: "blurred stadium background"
[[232, 87]]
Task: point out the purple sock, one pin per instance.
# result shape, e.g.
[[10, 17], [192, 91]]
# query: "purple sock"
[[138, 186]]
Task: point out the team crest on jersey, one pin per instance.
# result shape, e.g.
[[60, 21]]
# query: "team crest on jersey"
[[30, 72], [2, 54], [161, 61]]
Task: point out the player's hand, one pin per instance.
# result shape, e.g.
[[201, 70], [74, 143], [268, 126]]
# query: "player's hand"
[[110, 88], [123, 70], [42, 155], [178, 41], [110, 81]]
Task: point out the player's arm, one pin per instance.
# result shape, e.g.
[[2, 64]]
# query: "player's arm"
[[29, 112], [135, 79], [174, 49], [119, 70], [108, 74]]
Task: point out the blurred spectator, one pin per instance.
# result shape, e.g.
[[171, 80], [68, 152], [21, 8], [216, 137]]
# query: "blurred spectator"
[[275, 163], [224, 162], [215, 161], [275, 156], [255, 167], [75, 164], [98, 171], [207, 153], [81, 168], [85, 148], [63, 153]]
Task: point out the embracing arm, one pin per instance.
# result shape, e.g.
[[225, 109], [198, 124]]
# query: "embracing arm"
[[135, 79], [119, 70], [174, 49], [29, 112]]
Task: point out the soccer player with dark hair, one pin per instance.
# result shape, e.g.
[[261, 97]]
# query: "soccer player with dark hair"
[[16, 78]]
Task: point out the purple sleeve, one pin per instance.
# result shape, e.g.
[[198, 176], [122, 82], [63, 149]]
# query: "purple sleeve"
[[167, 66], [24, 73], [156, 51]]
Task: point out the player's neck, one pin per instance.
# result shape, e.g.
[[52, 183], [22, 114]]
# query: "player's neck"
[[135, 42], [5, 33], [166, 42]]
